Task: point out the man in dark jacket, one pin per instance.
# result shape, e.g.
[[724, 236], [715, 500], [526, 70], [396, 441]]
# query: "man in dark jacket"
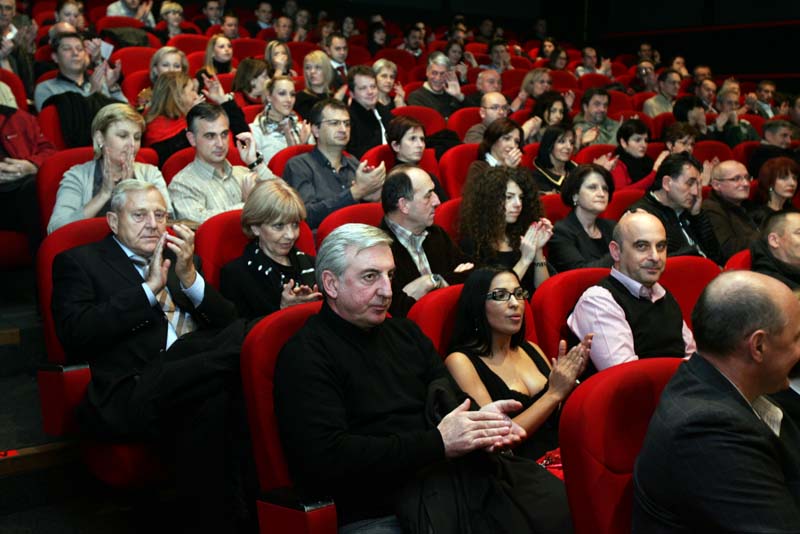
[[368, 121], [726, 208], [777, 254]]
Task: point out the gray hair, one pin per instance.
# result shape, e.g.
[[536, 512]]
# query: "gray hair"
[[384, 63], [120, 193], [333, 254], [439, 58]]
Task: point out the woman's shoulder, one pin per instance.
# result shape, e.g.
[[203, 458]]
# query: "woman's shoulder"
[[82, 169]]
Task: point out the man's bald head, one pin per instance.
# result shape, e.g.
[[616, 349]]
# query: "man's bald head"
[[493, 106], [488, 81], [639, 247]]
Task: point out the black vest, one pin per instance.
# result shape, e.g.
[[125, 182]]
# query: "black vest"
[[657, 327]]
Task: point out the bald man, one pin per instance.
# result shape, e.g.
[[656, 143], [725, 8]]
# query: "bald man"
[[493, 106], [631, 315], [488, 81], [727, 207], [777, 254], [718, 455]]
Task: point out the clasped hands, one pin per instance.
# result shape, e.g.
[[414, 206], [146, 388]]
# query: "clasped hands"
[[182, 244]]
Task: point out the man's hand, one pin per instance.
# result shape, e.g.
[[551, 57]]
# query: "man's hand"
[[589, 136], [723, 118], [419, 287], [182, 245], [144, 10], [462, 267], [247, 185], [464, 431], [751, 102], [340, 93], [93, 50], [97, 78], [112, 73], [159, 267], [247, 147], [451, 86], [698, 203], [298, 294], [18, 167], [368, 180]]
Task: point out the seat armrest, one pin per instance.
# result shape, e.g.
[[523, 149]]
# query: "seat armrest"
[[61, 389]]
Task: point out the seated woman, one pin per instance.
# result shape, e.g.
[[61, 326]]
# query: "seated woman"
[[277, 56], [777, 186], [386, 81], [406, 137], [349, 27], [271, 274], [558, 60], [249, 82], [219, 59], [581, 239], [277, 126], [376, 37], [172, 16], [635, 169], [554, 160], [546, 48], [166, 59], [502, 224], [499, 148], [318, 74], [491, 360], [85, 190], [550, 110], [461, 60]]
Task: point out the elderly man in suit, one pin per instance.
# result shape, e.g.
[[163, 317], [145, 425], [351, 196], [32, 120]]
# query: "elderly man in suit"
[[718, 455], [163, 346]]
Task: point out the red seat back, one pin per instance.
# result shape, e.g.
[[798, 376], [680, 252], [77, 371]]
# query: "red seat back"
[[513, 77], [602, 429], [744, 151], [454, 164], [134, 83], [708, 150], [370, 213], [278, 161], [620, 203], [625, 114], [554, 300], [245, 47], [686, 277], [189, 43], [554, 208], [15, 84], [619, 101], [639, 99], [358, 55], [298, 51], [430, 118], [117, 22], [563, 80], [587, 81], [590, 153], [464, 119], [134, 58], [447, 216], [401, 58], [50, 124], [741, 260], [661, 122]]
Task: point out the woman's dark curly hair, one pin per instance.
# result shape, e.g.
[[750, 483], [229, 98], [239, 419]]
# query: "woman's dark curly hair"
[[471, 331], [483, 217]]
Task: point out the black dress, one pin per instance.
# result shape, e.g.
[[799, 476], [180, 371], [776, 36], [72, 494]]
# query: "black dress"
[[546, 436], [254, 281]]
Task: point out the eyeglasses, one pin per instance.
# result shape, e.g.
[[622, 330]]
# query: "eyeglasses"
[[497, 107], [336, 122], [503, 295], [736, 179]]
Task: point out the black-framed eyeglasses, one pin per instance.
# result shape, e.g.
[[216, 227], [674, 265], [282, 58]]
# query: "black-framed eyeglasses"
[[503, 295]]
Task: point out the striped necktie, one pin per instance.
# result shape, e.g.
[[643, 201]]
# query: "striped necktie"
[[181, 321]]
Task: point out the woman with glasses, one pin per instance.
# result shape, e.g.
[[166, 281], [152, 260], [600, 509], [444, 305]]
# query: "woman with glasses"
[[502, 223], [85, 190], [491, 360]]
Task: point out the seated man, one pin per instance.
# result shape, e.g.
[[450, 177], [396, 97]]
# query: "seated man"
[[326, 178], [728, 127], [794, 117], [727, 208], [284, 28], [777, 254], [493, 106], [210, 184], [594, 116], [72, 61], [501, 58], [676, 198], [368, 121], [442, 91], [760, 103], [706, 91], [140, 10], [336, 48], [230, 26], [425, 257], [589, 64], [263, 20], [669, 84], [488, 81], [162, 344], [718, 455], [631, 315], [777, 143], [412, 41], [350, 400], [212, 11], [645, 77]]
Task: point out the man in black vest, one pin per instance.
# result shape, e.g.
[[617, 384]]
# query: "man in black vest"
[[631, 315]]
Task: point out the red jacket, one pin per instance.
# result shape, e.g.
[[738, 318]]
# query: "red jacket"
[[22, 138]]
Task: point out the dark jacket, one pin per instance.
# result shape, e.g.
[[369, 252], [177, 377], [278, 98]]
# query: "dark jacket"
[[733, 226], [365, 130], [764, 262], [572, 248]]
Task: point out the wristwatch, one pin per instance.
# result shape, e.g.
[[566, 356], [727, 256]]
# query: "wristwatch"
[[437, 280]]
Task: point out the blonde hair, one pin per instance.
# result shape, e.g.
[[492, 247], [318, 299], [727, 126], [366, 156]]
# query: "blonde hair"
[[159, 55], [209, 62], [532, 76], [318, 57], [107, 116], [166, 96], [384, 63], [269, 202], [166, 7]]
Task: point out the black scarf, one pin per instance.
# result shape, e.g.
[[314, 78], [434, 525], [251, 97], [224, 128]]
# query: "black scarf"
[[638, 168]]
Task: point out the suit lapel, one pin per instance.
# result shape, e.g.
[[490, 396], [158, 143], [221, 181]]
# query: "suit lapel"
[[116, 259]]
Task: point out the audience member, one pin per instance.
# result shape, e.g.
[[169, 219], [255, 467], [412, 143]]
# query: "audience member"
[[117, 305], [86, 189], [386, 80], [425, 257], [634, 168], [776, 253], [327, 178], [794, 117], [271, 274], [581, 239], [728, 127], [678, 64], [689, 111], [230, 26], [368, 121], [706, 91], [491, 360], [302, 21], [680, 137], [777, 186], [140, 10], [760, 103], [669, 84], [212, 14], [172, 15], [546, 48], [646, 52], [500, 147], [412, 41], [72, 61], [550, 109], [441, 91], [461, 60], [558, 60], [554, 160], [279, 59], [262, 21], [493, 106], [349, 27], [318, 75], [594, 118], [249, 82], [645, 80], [283, 29], [376, 37], [488, 81], [713, 414], [589, 64], [675, 198], [210, 185], [502, 223], [777, 143], [728, 207], [16, 53], [166, 59], [700, 73], [500, 56], [384, 367], [406, 137], [336, 48], [277, 126], [631, 315], [219, 59]]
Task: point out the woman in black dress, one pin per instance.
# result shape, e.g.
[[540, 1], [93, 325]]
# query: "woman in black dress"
[[271, 274]]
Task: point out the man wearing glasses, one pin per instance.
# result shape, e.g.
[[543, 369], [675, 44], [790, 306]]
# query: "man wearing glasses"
[[669, 84], [727, 205], [327, 178], [630, 314], [493, 106]]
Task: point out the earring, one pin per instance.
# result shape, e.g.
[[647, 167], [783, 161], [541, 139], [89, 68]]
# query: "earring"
[[575, 200]]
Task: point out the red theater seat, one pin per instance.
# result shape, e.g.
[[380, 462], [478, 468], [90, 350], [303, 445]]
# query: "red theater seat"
[[686, 277], [454, 164], [740, 260], [447, 216], [370, 213]]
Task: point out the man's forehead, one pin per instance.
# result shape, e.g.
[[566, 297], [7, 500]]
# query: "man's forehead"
[[149, 198], [688, 172], [218, 125], [377, 257], [362, 80], [330, 113]]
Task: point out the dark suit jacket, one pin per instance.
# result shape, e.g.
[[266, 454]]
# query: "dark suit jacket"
[[102, 315], [365, 130], [572, 248], [709, 464], [443, 256]]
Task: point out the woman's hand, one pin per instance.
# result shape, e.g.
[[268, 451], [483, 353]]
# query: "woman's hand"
[[569, 99], [304, 132], [607, 161], [213, 91], [568, 367], [298, 294], [536, 237], [470, 58], [512, 158]]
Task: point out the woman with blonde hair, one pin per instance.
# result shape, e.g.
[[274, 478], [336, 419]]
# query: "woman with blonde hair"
[[277, 126], [279, 59], [271, 274], [85, 189], [318, 74], [172, 15], [166, 59], [219, 59]]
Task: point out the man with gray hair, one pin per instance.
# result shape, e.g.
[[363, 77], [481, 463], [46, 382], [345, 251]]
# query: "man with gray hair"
[[162, 345], [719, 456], [350, 399], [441, 91]]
